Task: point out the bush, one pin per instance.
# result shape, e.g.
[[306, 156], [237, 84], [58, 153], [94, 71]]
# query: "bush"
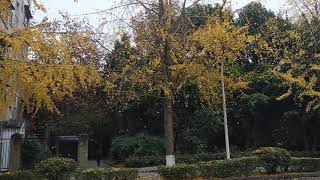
[[272, 158], [229, 168], [53, 168], [107, 174], [180, 171], [19, 175], [305, 164], [140, 145], [214, 169]]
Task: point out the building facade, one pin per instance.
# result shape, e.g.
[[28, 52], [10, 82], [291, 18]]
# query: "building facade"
[[11, 121]]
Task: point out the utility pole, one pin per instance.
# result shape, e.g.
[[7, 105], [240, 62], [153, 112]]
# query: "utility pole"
[[226, 133]]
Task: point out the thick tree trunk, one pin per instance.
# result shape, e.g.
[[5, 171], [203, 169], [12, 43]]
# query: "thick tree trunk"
[[166, 62], [168, 130]]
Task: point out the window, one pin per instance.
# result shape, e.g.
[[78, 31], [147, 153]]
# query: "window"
[[2, 49], [28, 12]]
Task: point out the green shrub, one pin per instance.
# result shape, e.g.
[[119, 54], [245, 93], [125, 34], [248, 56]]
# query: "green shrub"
[[107, 174], [215, 169], [19, 175], [32, 152], [53, 168], [140, 145], [272, 158], [229, 168], [180, 171], [305, 164], [195, 158], [136, 161], [145, 161]]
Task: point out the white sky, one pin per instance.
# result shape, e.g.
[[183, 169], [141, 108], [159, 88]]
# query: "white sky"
[[87, 6]]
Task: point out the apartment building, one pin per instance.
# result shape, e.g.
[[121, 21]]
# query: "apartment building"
[[18, 18], [12, 122]]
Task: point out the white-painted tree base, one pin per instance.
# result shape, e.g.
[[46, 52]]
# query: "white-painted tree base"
[[170, 160]]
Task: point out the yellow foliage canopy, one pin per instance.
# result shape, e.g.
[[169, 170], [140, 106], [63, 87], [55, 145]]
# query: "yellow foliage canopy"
[[42, 64]]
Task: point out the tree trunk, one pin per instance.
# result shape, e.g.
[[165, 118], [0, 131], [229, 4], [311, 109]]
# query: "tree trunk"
[[168, 130], [166, 62]]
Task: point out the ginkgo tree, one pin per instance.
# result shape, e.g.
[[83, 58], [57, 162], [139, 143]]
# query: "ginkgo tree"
[[171, 54], [300, 55], [45, 62]]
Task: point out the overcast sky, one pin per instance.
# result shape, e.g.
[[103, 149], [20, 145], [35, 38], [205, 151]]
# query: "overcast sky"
[[87, 6]]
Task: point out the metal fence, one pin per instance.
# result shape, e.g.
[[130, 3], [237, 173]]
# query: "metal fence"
[[60, 146], [35, 144], [4, 154]]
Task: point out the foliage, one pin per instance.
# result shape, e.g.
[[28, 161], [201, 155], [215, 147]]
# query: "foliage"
[[198, 129], [107, 174], [180, 171], [146, 161], [304, 164], [229, 168], [56, 167], [272, 158], [47, 66], [139, 145], [19, 175], [254, 15], [215, 169]]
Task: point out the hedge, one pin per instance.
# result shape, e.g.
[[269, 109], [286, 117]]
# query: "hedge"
[[214, 169], [107, 174], [273, 159], [239, 167], [54, 168], [147, 161], [180, 171], [19, 175], [78, 174], [231, 168], [304, 164]]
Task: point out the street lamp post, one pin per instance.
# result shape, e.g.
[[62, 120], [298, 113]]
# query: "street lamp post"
[[226, 133]]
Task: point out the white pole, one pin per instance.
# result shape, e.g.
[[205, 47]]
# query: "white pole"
[[226, 133]]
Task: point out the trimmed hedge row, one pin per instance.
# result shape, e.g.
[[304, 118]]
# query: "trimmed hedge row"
[[107, 174], [273, 159], [215, 169], [19, 175], [304, 164], [240, 167], [182, 159], [264, 161], [79, 174]]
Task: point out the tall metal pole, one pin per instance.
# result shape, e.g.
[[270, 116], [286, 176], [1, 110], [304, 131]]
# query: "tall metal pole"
[[226, 133]]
